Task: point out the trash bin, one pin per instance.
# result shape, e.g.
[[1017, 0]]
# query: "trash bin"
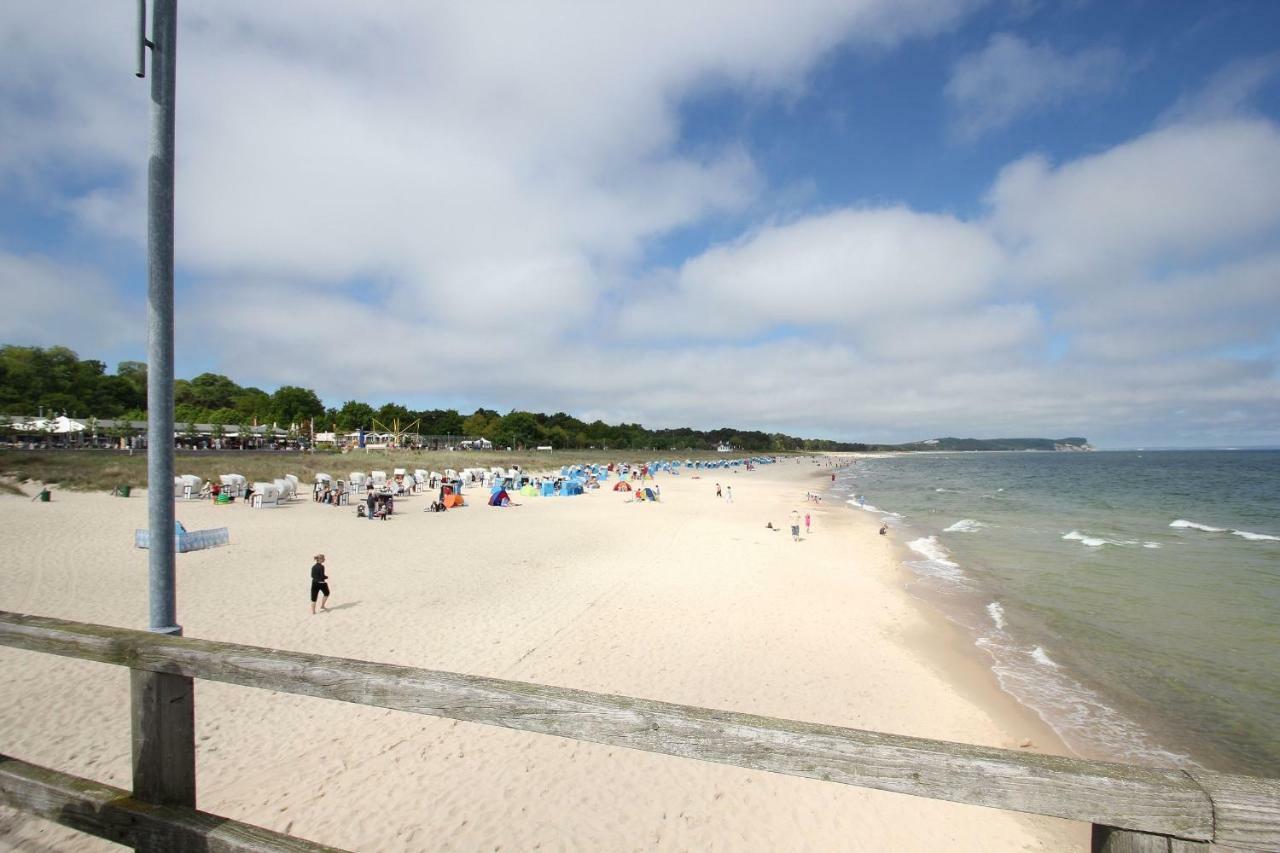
[[123, 491], [43, 496]]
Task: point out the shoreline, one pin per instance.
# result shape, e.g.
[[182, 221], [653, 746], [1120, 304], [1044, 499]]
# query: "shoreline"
[[691, 600], [947, 647]]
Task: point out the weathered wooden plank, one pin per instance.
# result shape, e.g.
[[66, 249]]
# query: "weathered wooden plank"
[[163, 729], [1246, 810], [111, 813], [1108, 839], [1166, 802]]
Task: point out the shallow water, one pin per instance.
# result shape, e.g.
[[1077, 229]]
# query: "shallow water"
[[1131, 598]]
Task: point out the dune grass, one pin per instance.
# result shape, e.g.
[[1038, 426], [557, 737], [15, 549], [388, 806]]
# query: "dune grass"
[[103, 470]]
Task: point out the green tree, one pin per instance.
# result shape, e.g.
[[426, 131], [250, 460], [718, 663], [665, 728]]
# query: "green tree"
[[481, 423], [517, 429], [353, 415], [254, 404], [213, 391], [390, 412], [294, 405]]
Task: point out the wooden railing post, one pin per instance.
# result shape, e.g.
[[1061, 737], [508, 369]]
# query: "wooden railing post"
[[1108, 839], [164, 739]]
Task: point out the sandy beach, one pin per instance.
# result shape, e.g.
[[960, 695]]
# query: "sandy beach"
[[692, 600]]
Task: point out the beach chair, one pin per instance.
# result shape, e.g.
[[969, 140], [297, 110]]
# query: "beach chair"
[[187, 487], [265, 495], [233, 484]]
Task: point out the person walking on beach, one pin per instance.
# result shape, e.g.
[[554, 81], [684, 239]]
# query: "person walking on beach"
[[795, 526], [806, 524], [319, 585], [728, 494], [718, 494]]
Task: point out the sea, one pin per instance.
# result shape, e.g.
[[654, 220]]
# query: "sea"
[[1130, 598]]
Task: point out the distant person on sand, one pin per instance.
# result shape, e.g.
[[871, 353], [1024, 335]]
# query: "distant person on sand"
[[718, 494], [728, 494], [319, 584], [884, 528], [806, 524], [795, 526]]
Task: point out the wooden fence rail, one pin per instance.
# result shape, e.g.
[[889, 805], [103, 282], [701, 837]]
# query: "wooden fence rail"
[[1132, 808], [111, 813]]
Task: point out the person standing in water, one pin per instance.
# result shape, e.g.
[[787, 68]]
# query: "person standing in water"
[[319, 585]]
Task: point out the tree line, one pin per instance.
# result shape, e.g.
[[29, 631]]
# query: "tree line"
[[58, 381]]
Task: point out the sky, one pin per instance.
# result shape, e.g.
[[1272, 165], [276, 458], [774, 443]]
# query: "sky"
[[867, 220]]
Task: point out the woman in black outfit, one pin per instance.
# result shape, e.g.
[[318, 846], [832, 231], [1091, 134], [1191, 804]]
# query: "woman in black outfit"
[[319, 584]]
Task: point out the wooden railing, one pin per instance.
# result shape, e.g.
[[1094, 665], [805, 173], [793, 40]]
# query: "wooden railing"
[[1132, 808]]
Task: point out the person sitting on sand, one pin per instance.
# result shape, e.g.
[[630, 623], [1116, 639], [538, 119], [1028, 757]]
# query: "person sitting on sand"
[[319, 584], [884, 528]]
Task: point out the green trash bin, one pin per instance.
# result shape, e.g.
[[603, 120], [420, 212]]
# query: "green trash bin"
[[43, 496], [123, 491]]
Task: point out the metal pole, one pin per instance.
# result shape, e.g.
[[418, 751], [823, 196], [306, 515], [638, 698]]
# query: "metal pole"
[[160, 517]]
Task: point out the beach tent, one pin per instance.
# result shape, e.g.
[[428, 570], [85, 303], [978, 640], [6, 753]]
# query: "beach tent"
[[284, 489], [548, 488], [296, 484], [379, 479], [529, 490], [323, 480], [572, 487], [358, 479], [622, 486], [61, 425], [497, 498], [450, 497], [649, 495]]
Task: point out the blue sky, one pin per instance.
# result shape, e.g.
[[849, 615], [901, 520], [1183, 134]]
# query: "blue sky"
[[860, 219]]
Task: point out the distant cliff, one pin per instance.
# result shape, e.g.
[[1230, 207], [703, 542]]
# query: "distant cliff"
[[1060, 444]]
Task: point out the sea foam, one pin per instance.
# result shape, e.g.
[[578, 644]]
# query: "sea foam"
[[1090, 541], [1243, 534], [1040, 657], [996, 612], [1255, 537], [1195, 525], [965, 525]]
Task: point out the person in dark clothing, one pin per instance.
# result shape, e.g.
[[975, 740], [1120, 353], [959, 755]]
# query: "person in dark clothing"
[[319, 584], [371, 501]]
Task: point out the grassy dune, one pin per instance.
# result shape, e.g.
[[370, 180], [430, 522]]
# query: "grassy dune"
[[102, 470]]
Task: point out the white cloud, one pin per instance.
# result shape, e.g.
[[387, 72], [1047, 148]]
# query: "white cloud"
[[843, 270], [1010, 78], [48, 302], [447, 205], [1227, 94], [1175, 195]]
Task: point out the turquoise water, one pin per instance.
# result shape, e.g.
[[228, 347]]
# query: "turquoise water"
[[1131, 598]]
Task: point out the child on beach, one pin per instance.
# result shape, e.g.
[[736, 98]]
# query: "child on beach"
[[718, 494], [806, 524], [319, 584], [795, 526]]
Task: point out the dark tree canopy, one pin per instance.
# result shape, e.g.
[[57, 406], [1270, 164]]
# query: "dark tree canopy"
[[57, 381]]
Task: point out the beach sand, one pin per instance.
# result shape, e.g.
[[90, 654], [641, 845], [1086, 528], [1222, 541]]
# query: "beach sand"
[[691, 600]]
